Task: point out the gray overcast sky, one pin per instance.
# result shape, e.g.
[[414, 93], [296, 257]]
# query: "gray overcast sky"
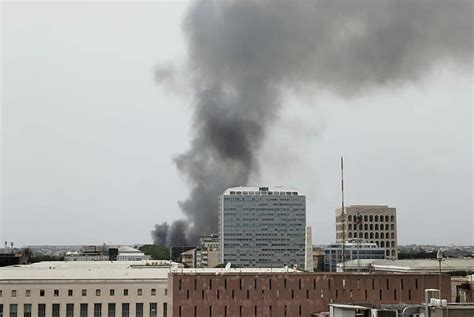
[[88, 137]]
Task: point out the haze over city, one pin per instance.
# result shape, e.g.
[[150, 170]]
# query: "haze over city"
[[92, 127]]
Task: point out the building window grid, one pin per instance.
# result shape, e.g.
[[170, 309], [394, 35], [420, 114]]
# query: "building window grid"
[[97, 310], [56, 310], [83, 310], [27, 310], [111, 310], [70, 310], [13, 310], [125, 309], [42, 310], [139, 309]]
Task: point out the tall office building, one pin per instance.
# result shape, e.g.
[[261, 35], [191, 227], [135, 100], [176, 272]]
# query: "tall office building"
[[370, 223], [262, 227]]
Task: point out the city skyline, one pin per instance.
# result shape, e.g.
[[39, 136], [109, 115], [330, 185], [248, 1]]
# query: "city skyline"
[[89, 137]]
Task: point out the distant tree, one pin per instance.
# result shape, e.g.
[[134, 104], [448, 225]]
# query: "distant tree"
[[320, 266], [416, 255], [156, 251], [459, 273], [44, 258]]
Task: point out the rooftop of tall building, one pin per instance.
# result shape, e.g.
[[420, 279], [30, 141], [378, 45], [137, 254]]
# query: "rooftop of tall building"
[[265, 190]]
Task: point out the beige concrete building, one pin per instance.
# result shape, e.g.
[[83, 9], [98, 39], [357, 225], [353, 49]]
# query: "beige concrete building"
[[85, 289], [204, 256], [370, 223], [208, 253], [188, 258]]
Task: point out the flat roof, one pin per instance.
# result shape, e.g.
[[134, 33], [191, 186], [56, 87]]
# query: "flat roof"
[[416, 265], [86, 270], [257, 188], [219, 271], [117, 270]]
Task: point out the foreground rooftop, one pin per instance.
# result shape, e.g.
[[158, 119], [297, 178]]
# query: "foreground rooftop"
[[117, 270], [425, 265]]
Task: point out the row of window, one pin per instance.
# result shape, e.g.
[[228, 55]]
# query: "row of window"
[[256, 284], [84, 310], [371, 235], [70, 292], [263, 193], [366, 218], [277, 296], [372, 227]]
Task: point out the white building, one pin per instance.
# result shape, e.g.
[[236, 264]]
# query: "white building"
[[85, 289], [126, 253], [93, 253], [262, 227]]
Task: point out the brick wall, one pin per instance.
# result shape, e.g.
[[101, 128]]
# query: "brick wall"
[[297, 294]]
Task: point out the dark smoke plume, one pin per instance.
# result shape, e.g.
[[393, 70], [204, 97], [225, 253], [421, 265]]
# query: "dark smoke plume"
[[244, 53]]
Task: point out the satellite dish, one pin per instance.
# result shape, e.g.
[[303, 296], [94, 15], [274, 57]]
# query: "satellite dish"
[[228, 266]]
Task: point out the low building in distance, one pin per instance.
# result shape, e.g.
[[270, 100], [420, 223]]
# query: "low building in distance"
[[262, 227], [188, 258], [205, 255], [370, 223], [106, 253], [461, 286], [411, 266], [353, 251], [318, 258]]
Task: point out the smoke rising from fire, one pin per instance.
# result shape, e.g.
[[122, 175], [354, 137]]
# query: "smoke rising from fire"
[[244, 53]]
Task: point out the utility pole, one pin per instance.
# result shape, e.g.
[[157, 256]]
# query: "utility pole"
[[358, 224], [343, 216], [440, 258]]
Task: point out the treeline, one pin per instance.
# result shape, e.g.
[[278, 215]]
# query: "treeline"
[[156, 251], [416, 255]]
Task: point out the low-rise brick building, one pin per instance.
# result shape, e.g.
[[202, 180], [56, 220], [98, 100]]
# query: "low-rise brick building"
[[245, 294]]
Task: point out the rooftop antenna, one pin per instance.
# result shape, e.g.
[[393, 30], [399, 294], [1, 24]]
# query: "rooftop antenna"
[[343, 215]]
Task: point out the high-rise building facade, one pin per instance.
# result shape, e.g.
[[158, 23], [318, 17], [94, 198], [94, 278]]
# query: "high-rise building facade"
[[262, 227], [369, 223]]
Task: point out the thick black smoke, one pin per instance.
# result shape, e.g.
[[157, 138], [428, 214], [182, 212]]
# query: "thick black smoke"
[[244, 53]]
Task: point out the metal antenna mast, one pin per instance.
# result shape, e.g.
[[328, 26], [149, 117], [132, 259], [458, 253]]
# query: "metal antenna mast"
[[343, 215]]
